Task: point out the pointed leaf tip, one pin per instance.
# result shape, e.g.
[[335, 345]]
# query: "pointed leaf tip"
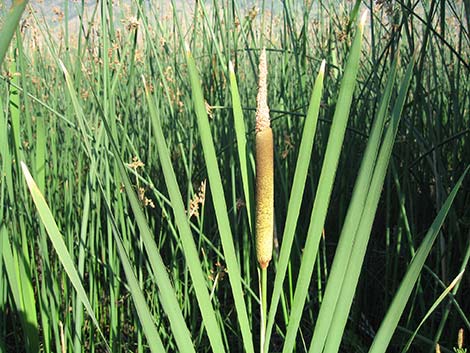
[[364, 18], [187, 49], [24, 168]]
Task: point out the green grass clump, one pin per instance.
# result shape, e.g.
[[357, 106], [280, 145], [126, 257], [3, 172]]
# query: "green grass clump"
[[128, 176]]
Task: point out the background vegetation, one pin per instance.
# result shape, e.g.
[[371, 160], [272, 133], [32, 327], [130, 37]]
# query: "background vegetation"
[[86, 88]]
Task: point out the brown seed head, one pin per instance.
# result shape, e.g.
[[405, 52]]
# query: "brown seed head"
[[264, 196], [264, 171]]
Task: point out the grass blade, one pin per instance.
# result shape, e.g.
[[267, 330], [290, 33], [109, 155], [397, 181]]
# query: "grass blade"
[[189, 247], [353, 216], [325, 186], [241, 143], [351, 279], [9, 27], [61, 249], [295, 201], [432, 308], [143, 311], [390, 322], [22, 291], [167, 293], [220, 206]]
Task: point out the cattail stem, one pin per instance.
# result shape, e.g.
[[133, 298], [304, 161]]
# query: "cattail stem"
[[263, 307]]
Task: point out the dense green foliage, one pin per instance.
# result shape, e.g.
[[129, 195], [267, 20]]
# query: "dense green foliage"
[[140, 137]]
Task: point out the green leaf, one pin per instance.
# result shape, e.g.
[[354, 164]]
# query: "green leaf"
[[9, 27], [351, 223], [325, 185], [220, 206], [241, 143], [394, 312], [167, 294], [298, 186], [143, 311], [189, 247], [432, 308], [356, 259], [58, 242]]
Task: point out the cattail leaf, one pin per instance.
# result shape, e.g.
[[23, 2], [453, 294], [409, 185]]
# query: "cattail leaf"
[[356, 259], [433, 307], [325, 185], [220, 207], [240, 132], [353, 216], [166, 292], [9, 26], [59, 245], [298, 186], [394, 312], [19, 281], [143, 311], [189, 247]]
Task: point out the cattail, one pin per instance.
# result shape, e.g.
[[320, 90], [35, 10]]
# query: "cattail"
[[264, 171], [460, 339]]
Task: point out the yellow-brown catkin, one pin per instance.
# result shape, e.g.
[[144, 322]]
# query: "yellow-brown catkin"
[[264, 172], [460, 339]]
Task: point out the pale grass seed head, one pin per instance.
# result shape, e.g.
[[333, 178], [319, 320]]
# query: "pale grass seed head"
[[262, 109]]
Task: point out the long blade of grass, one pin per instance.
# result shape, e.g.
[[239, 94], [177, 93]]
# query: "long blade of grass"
[[295, 201], [59, 245], [240, 132], [353, 216], [12, 273], [9, 26], [325, 185], [143, 311], [432, 308], [394, 312], [189, 247], [351, 278], [167, 293], [220, 206]]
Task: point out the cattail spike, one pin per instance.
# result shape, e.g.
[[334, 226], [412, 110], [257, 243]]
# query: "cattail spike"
[[460, 339], [264, 171]]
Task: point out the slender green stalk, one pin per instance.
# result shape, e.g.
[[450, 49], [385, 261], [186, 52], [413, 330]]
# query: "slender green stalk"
[[263, 306]]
